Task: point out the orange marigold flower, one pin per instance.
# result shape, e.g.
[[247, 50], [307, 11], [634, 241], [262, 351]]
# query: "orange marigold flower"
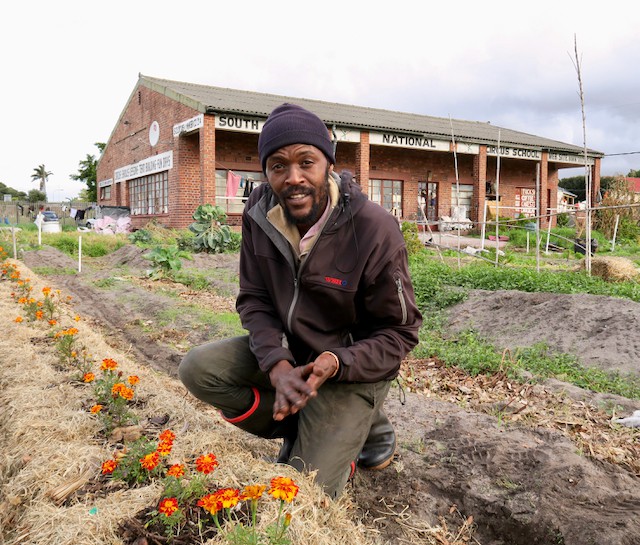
[[253, 492], [19, 319], [228, 497], [206, 463], [39, 304], [52, 322], [22, 300], [108, 364], [168, 506], [164, 448], [72, 331], [46, 290], [167, 435], [73, 353], [210, 503], [150, 461], [133, 380], [88, 377], [283, 488], [109, 466], [39, 314], [127, 393], [117, 388], [176, 470], [76, 318], [96, 409]]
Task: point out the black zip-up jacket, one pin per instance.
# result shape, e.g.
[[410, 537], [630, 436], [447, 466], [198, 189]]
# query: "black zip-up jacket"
[[352, 295]]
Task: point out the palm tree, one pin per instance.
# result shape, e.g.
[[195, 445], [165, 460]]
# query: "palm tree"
[[42, 175]]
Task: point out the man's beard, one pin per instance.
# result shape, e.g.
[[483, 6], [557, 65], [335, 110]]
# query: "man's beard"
[[316, 211]]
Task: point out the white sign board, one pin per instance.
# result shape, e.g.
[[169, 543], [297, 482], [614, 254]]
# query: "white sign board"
[[150, 165], [189, 125], [408, 141], [239, 123], [569, 158], [105, 183], [517, 153]]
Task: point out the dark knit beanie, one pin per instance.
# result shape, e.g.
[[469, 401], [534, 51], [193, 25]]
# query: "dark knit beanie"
[[292, 124]]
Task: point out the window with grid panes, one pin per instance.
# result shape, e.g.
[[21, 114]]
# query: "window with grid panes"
[[149, 194], [388, 194]]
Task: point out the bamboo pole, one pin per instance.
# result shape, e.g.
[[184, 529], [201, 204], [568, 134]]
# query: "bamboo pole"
[[80, 253], [498, 199], [483, 230], [577, 66], [15, 246], [538, 216], [455, 163]]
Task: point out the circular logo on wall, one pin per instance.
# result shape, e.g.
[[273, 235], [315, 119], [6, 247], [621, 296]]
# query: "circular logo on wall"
[[154, 133]]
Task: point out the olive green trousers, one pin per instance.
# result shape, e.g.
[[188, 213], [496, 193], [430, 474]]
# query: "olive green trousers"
[[329, 432]]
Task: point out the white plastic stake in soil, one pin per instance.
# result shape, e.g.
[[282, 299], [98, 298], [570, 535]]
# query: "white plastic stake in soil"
[[615, 233], [80, 253], [15, 246]]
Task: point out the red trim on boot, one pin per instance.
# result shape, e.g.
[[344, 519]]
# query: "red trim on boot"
[[247, 414], [352, 472]]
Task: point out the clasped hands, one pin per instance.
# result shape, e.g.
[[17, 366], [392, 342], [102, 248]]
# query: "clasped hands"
[[295, 386]]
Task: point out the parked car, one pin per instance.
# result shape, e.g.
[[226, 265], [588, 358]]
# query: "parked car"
[[48, 215]]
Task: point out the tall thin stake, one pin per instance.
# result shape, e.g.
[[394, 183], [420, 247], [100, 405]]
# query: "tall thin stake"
[[587, 170], [455, 163], [498, 199]]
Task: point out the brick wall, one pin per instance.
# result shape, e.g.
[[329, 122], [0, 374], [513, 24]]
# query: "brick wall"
[[196, 157]]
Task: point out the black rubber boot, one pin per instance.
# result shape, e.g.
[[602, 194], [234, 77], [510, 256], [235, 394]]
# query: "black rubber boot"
[[380, 446]]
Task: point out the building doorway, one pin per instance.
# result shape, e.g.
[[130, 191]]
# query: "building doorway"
[[428, 202]]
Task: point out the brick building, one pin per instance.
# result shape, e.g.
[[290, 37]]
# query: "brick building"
[[178, 145]]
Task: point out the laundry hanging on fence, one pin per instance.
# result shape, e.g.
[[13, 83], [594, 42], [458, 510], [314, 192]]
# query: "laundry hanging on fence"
[[233, 182]]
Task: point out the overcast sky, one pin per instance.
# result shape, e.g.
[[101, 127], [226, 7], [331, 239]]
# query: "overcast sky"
[[70, 66]]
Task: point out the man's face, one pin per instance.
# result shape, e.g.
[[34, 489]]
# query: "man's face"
[[298, 175]]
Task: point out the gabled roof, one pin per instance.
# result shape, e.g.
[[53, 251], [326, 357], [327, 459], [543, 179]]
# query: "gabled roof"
[[209, 99]]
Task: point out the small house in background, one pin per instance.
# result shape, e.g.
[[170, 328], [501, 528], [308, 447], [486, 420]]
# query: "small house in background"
[[634, 186], [566, 200]]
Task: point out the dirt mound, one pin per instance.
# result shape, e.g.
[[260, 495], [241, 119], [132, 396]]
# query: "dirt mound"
[[601, 331]]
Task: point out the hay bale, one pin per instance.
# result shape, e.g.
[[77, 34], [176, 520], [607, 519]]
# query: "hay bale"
[[613, 269]]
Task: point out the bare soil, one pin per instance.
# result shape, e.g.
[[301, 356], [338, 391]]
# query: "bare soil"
[[493, 461]]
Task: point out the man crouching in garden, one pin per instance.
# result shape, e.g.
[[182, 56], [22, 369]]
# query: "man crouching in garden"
[[326, 296]]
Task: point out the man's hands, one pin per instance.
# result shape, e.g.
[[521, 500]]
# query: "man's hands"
[[296, 385]]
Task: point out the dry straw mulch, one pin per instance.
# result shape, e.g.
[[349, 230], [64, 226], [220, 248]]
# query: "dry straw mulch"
[[50, 442], [530, 404]]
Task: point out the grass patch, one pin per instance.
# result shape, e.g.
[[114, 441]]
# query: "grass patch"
[[52, 271], [439, 285], [93, 244], [226, 324], [475, 355]]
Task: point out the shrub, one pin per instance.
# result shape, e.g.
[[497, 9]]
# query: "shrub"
[[411, 238]]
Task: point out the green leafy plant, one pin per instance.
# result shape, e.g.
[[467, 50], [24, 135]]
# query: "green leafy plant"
[[141, 236], [166, 260], [210, 233]]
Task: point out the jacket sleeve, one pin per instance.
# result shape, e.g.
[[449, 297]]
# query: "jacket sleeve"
[[255, 307], [390, 319]]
